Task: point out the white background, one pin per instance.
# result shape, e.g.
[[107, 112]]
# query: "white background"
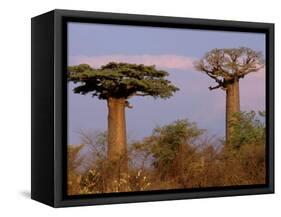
[[15, 106]]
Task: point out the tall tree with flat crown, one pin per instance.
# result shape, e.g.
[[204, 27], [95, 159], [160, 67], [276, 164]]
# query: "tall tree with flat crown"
[[227, 67], [117, 83]]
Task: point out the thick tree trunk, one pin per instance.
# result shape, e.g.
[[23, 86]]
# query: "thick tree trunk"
[[117, 145], [232, 106]]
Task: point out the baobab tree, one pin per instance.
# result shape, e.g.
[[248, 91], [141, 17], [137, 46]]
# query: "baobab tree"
[[227, 67], [117, 83]]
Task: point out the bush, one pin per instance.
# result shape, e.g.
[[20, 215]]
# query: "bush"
[[177, 155]]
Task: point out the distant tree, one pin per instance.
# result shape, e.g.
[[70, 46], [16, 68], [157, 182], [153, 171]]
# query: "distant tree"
[[227, 67], [117, 83], [169, 145]]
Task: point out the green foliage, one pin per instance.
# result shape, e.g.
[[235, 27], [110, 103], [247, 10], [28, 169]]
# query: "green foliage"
[[167, 140], [121, 80], [247, 129], [168, 145]]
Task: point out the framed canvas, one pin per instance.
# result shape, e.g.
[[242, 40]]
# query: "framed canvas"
[[134, 108]]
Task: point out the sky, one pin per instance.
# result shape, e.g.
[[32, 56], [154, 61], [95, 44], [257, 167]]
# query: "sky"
[[170, 49]]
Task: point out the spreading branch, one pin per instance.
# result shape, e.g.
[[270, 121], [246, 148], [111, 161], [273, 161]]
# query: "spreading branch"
[[226, 65], [215, 87], [121, 80]]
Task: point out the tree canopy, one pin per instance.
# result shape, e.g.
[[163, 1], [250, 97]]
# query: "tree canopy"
[[225, 65], [121, 80], [165, 141]]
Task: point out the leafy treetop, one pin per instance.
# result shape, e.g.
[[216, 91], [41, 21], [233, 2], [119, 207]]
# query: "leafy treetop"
[[165, 141], [121, 80], [225, 65]]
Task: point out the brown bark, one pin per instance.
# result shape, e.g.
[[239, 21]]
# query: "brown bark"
[[232, 105], [117, 145]]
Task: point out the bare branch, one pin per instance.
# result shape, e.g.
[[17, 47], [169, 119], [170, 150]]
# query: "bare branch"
[[213, 77], [226, 64], [213, 69], [247, 70], [216, 87]]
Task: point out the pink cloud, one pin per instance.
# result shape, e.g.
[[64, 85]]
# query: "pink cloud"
[[165, 61]]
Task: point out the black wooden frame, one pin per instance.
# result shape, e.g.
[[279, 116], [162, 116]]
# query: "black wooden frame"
[[49, 107]]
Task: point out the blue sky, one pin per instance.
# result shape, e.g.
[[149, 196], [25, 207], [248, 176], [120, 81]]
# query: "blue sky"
[[173, 50]]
